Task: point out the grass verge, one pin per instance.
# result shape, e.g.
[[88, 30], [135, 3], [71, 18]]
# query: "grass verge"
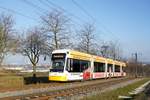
[[12, 81], [113, 95]]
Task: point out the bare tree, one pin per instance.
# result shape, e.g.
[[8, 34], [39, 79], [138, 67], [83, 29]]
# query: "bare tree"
[[115, 50], [86, 39], [33, 45], [111, 50], [7, 39], [104, 50], [56, 26]]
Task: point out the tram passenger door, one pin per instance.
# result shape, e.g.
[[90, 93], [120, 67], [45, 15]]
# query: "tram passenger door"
[[110, 70], [86, 71], [87, 74]]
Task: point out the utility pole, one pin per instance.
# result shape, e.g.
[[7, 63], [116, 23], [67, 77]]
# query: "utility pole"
[[136, 63]]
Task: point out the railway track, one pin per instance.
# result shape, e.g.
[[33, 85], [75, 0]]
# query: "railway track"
[[72, 92]]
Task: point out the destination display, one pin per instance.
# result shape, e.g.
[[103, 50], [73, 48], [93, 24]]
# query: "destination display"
[[58, 56]]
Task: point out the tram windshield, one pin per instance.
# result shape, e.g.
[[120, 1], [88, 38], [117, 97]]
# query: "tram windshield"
[[58, 62]]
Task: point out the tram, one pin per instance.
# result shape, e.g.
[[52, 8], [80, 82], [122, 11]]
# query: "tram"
[[71, 65]]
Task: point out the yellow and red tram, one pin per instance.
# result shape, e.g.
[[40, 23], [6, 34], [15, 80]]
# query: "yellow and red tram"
[[70, 65]]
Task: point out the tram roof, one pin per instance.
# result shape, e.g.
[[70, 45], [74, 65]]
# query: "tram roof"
[[84, 55], [61, 51]]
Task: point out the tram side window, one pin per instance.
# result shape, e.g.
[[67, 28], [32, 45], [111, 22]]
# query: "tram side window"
[[99, 67], [117, 68], [84, 65], [110, 67], [123, 69], [74, 65]]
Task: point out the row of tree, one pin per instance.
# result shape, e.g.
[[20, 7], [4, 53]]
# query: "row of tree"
[[137, 69], [53, 32]]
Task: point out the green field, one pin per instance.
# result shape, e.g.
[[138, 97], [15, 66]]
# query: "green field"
[[113, 95]]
